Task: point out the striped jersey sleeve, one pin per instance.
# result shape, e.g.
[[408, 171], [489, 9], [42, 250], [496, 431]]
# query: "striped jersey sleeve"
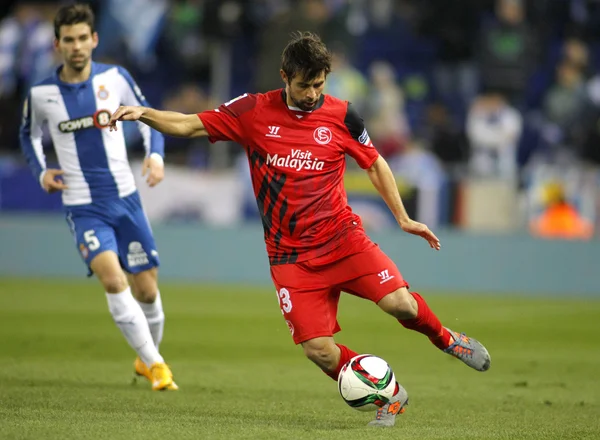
[[154, 141], [30, 136]]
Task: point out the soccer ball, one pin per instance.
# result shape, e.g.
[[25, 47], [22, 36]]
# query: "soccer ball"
[[366, 382]]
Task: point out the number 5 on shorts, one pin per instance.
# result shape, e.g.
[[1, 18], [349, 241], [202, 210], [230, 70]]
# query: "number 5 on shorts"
[[91, 240], [285, 303]]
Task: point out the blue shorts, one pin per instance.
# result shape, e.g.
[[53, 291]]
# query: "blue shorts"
[[118, 225]]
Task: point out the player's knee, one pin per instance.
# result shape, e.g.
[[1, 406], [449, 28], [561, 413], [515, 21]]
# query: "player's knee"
[[114, 283], [400, 304], [145, 286], [145, 294], [322, 352]]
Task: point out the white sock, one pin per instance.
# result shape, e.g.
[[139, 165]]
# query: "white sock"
[[130, 319], [155, 317]]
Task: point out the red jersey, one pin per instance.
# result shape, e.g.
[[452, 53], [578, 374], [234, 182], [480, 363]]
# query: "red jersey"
[[297, 162]]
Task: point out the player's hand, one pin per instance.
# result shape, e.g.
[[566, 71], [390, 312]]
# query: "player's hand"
[[420, 229], [51, 182], [155, 169], [125, 113]]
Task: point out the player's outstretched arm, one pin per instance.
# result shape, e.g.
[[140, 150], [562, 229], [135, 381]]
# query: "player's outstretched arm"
[[383, 180], [167, 122]]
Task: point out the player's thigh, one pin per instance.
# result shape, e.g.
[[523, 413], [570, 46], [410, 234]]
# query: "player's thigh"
[[309, 312], [144, 285], [107, 268], [137, 248], [375, 275]]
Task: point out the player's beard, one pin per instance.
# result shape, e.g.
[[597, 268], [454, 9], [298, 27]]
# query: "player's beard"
[[78, 64], [304, 105]]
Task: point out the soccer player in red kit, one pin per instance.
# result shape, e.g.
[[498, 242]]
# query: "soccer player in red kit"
[[296, 140]]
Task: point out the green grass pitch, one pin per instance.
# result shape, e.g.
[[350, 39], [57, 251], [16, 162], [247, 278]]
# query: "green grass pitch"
[[65, 370]]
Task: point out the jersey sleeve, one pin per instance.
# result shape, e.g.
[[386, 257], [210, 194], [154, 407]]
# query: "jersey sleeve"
[[154, 141], [229, 121], [30, 137], [359, 145]]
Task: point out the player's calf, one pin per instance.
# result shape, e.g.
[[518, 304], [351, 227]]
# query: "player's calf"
[[145, 291]]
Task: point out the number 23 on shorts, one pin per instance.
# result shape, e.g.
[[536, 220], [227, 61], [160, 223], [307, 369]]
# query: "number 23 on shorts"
[[285, 303]]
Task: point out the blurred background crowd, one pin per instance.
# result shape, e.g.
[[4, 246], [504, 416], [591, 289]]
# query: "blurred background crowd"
[[488, 111]]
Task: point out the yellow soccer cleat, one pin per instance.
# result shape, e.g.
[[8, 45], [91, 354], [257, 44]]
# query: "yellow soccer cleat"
[[162, 378], [141, 370]]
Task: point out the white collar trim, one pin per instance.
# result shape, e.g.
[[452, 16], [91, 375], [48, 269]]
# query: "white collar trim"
[[297, 109]]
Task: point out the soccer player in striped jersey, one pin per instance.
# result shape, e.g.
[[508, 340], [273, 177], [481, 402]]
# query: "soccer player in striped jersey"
[[101, 202], [296, 140]]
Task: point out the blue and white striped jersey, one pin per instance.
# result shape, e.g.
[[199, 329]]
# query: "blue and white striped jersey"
[[94, 159]]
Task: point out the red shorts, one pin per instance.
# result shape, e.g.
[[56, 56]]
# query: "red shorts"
[[309, 292]]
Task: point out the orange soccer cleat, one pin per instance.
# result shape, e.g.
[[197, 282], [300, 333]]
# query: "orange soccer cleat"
[[386, 415], [469, 350], [141, 370], [162, 377]]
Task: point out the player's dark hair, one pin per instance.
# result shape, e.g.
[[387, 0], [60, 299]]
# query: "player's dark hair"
[[73, 14], [306, 55]]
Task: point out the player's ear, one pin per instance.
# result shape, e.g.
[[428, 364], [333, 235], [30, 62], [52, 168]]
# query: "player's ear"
[[95, 39], [283, 76]]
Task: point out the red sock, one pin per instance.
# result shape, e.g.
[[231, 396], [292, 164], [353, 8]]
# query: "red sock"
[[427, 323], [345, 355]]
